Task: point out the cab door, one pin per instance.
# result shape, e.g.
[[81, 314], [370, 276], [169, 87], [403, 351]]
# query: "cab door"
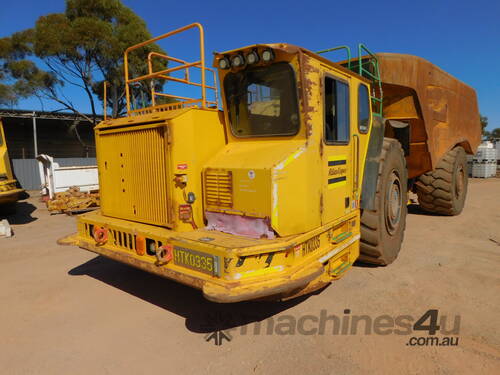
[[337, 145]]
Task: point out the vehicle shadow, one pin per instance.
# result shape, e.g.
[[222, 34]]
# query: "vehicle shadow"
[[202, 316], [19, 214], [365, 265], [415, 209]]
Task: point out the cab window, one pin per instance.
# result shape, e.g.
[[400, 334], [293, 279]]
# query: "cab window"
[[363, 109], [262, 101], [336, 111]]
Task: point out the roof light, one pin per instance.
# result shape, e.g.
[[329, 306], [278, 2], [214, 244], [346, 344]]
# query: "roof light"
[[237, 61], [224, 63], [252, 57], [268, 55]]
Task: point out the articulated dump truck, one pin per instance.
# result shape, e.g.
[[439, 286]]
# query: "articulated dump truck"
[[9, 190], [305, 170]]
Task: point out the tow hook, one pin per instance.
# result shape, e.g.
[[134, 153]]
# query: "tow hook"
[[100, 235], [164, 254]]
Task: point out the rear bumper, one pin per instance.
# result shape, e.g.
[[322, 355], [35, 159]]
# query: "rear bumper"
[[243, 269], [10, 196], [217, 290]]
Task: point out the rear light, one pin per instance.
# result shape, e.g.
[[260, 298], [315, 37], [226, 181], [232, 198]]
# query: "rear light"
[[224, 63], [140, 245], [151, 246], [237, 61], [268, 55], [252, 58]]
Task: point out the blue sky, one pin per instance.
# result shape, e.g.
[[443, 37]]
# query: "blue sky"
[[462, 37]]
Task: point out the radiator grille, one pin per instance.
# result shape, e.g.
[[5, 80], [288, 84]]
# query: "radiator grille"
[[218, 188], [123, 240], [133, 174]]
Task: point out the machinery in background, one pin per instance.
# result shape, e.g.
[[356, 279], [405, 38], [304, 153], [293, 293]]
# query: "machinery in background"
[[73, 189], [10, 191]]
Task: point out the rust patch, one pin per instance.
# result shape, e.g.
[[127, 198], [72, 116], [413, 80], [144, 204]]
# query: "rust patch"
[[448, 106], [321, 204], [307, 91], [275, 292], [310, 288]]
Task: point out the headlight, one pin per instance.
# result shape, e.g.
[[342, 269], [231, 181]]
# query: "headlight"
[[252, 58], [224, 63], [268, 55], [237, 61]]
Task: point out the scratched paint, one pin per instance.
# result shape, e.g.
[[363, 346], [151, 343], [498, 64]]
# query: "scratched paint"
[[276, 173]]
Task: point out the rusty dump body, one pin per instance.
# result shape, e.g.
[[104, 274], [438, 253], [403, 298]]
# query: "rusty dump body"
[[442, 111]]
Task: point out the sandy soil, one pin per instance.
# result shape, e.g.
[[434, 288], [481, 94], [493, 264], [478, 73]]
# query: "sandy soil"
[[64, 310]]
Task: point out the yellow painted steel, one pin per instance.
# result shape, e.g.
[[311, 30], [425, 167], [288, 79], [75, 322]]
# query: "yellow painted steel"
[[9, 192], [138, 164], [164, 162], [164, 73]]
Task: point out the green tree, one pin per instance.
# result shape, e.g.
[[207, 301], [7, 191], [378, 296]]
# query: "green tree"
[[83, 47], [494, 134], [19, 77], [484, 124]]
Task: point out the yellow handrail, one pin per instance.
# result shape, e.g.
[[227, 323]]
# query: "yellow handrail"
[[166, 57], [200, 63], [186, 79], [165, 71]]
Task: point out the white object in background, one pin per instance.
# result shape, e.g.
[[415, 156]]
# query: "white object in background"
[[484, 169], [57, 179], [5, 230], [484, 162]]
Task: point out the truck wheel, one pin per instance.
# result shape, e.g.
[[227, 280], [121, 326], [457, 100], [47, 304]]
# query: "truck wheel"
[[382, 229], [443, 190]]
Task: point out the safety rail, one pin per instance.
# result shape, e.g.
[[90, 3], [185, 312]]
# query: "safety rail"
[[186, 79], [373, 61], [359, 66], [348, 50], [164, 74]]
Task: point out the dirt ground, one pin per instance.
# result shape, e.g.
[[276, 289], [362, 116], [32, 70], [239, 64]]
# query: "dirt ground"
[[65, 310]]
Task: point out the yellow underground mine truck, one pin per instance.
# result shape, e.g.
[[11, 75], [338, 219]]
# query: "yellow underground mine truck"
[[305, 170], [9, 190]]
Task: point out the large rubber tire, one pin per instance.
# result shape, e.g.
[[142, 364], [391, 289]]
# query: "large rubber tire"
[[382, 230], [443, 190]]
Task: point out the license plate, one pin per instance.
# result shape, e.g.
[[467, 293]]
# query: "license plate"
[[196, 260]]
